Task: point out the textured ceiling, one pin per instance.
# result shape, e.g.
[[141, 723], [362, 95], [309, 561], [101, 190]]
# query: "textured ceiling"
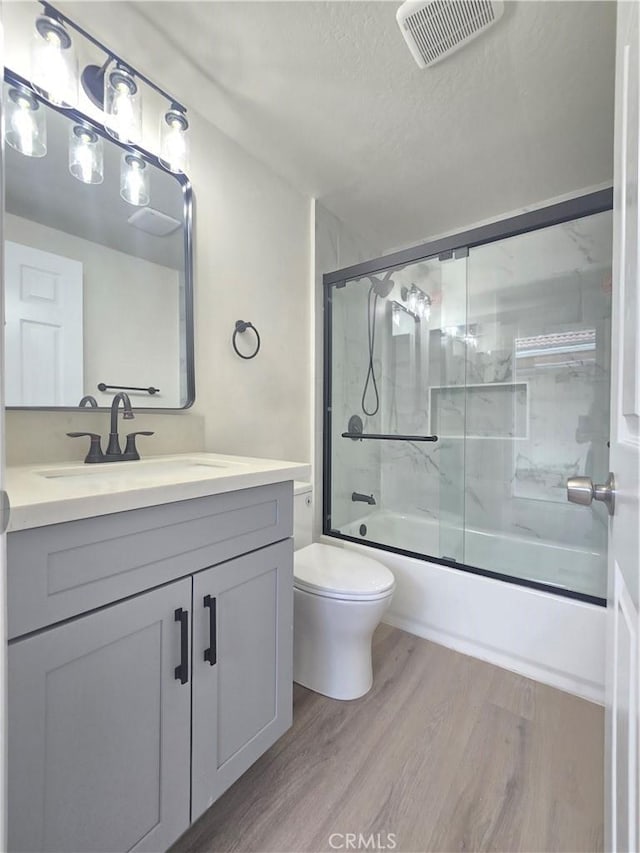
[[328, 95]]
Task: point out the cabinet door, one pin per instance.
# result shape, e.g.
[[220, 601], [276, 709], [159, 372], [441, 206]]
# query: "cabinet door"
[[99, 730], [242, 666]]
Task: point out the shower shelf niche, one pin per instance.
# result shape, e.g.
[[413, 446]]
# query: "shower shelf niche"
[[486, 411]]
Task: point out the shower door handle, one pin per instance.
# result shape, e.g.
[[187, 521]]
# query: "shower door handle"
[[358, 436], [581, 490]]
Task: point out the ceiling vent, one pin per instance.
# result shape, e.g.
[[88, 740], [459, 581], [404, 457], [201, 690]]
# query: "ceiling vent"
[[154, 222], [437, 28]]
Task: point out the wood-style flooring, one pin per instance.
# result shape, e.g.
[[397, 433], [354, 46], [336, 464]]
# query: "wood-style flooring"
[[445, 753]]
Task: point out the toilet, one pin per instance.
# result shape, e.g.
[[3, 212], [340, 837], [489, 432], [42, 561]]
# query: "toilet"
[[340, 597]]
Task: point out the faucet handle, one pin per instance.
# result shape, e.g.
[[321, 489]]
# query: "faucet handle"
[[130, 448], [95, 453]]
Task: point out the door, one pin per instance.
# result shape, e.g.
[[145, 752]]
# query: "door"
[[242, 666], [4, 520], [624, 543], [99, 730], [44, 357]]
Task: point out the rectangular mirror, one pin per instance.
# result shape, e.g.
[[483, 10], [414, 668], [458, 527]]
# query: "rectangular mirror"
[[98, 290]]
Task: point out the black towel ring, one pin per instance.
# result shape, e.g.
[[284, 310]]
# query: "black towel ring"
[[242, 326]]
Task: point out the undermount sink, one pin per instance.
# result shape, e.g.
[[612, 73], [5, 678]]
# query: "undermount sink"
[[143, 468]]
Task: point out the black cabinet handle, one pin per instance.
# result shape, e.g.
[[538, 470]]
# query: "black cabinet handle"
[[211, 654], [182, 670]]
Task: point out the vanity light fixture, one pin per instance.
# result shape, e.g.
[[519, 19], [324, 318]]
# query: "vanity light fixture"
[[418, 302], [122, 105], [25, 122], [115, 87], [173, 140], [54, 70], [86, 156], [134, 179]]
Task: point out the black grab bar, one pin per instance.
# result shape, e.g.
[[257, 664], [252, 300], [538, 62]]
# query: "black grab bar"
[[381, 437], [102, 386]]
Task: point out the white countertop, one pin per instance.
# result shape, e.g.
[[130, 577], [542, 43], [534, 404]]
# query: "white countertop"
[[50, 494]]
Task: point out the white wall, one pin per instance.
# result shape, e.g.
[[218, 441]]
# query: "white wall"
[[130, 314], [252, 263], [252, 247]]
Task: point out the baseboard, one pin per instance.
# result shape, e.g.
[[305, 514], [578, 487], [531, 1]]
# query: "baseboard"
[[561, 681]]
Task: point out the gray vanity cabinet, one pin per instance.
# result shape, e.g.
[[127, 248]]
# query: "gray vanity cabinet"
[[150, 664], [242, 677], [99, 739]]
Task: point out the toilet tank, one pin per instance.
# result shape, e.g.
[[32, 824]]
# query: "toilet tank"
[[302, 515]]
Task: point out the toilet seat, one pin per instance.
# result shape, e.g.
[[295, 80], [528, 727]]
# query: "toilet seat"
[[331, 572]]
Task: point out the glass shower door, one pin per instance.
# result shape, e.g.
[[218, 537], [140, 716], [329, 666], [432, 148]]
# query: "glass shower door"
[[538, 385], [398, 368]]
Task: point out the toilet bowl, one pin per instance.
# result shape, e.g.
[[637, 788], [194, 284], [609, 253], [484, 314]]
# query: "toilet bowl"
[[339, 599]]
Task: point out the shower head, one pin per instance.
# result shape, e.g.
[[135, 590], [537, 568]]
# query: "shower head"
[[382, 287]]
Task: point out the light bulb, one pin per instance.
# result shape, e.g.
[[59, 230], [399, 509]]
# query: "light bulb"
[[25, 128], [54, 68], [412, 303], [395, 316], [85, 161], [134, 180], [123, 110], [173, 141], [23, 124]]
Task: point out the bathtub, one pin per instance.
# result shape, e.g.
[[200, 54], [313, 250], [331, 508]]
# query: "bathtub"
[[521, 557], [551, 638]]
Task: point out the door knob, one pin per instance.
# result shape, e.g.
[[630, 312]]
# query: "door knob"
[[581, 490]]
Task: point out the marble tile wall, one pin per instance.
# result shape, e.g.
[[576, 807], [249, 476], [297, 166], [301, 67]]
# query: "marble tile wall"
[[554, 405], [355, 465]]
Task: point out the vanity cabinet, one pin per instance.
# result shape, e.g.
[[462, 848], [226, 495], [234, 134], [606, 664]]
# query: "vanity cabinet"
[[126, 722]]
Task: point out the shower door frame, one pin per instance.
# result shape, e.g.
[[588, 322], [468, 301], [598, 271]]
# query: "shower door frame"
[[443, 249]]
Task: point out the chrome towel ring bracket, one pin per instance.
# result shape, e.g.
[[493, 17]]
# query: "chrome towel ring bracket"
[[241, 327]]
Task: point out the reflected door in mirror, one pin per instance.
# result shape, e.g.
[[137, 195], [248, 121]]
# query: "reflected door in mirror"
[[44, 340]]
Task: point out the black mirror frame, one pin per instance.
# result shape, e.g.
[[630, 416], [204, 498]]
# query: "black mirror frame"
[[15, 79]]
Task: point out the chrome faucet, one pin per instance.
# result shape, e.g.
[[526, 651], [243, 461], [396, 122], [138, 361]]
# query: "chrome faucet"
[[113, 447]]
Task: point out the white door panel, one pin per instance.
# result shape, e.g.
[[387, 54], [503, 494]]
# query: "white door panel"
[[44, 356]]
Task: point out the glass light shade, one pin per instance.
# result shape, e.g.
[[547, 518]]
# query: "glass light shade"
[[134, 179], [423, 308], [412, 301], [427, 308], [54, 68], [86, 156], [174, 146], [25, 122], [122, 106], [395, 315]]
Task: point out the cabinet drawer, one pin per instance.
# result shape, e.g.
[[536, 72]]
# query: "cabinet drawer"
[[63, 570]]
